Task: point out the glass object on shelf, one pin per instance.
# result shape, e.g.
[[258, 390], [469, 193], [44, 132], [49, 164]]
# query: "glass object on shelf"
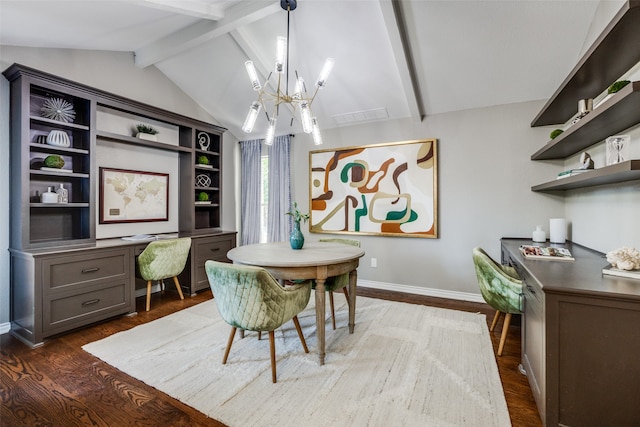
[[63, 194]]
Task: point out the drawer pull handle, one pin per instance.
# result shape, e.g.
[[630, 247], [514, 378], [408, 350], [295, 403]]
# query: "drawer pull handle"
[[215, 249], [90, 270], [91, 302]]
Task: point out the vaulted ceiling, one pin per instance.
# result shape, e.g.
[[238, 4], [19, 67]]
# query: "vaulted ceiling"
[[394, 59]]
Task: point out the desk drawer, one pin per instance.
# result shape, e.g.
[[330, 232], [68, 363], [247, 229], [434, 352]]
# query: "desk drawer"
[[67, 271], [76, 309], [215, 250]]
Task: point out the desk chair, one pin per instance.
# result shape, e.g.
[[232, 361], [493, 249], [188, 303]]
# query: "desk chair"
[[501, 288], [162, 259], [250, 298], [338, 282]]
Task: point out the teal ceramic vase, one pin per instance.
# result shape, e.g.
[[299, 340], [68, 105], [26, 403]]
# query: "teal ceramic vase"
[[296, 239]]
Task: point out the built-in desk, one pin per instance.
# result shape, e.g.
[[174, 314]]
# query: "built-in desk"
[[580, 338], [56, 289]]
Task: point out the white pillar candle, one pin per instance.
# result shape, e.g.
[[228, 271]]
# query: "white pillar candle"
[[557, 230]]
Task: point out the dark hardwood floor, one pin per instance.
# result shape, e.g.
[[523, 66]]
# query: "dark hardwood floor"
[[58, 384]]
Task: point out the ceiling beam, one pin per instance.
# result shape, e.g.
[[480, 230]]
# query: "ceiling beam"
[[198, 8], [396, 30], [243, 13]]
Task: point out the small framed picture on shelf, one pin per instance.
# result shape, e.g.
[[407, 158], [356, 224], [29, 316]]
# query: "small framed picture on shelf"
[[617, 149]]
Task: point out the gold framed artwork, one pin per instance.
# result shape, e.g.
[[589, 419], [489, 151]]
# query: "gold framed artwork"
[[388, 189]]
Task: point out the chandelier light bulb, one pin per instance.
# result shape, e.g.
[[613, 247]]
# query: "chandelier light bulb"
[[253, 75], [271, 132], [281, 54], [324, 73], [305, 116], [250, 121], [299, 89], [315, 132]]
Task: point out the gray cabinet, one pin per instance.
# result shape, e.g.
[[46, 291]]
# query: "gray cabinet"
[[208, 247], [60, 291], [581, 338]]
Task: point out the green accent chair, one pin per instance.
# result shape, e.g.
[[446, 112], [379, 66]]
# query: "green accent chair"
[[337, 282], [250, 299], [162, 259], [501, 288]]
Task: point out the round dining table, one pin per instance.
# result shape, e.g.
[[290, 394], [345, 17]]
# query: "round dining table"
[[315, 261]]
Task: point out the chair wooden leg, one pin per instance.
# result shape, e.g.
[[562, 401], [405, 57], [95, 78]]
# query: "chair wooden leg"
[[175, 280], [495, 320], [505, 330], [299, 329], [333, 312], [259, 335], [229, 342], [346, 293], [272, 350], [148, 294]]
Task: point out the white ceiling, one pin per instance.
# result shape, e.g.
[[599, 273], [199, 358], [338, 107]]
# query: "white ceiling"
[[401, 59]]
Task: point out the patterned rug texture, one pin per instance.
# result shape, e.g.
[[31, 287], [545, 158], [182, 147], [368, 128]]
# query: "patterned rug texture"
[[405, 365]]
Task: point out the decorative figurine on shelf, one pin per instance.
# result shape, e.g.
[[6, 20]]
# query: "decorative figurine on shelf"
[[585, 161], [203, 141]]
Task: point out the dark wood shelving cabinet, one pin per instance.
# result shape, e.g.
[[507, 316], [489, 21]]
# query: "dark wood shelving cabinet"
[[613, 53], [61, 276]]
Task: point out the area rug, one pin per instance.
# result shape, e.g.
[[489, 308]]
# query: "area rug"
[[405, 365]]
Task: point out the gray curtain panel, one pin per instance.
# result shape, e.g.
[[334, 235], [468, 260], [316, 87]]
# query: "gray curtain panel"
[[278, 223], [250, 165]]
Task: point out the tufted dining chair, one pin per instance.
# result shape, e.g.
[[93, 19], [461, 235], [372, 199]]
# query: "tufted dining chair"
[[250, 299], [501, 288], [162, 259], [338, 282]]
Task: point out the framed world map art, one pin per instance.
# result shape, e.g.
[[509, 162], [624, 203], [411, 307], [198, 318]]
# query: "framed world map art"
[[133, 196], [384, 189]]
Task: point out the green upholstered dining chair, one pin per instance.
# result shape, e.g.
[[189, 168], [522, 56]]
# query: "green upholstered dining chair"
[[338, 282], [501, 288], [249, 298], [162, 259]]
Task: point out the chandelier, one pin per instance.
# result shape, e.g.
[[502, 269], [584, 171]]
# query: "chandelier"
[[300, 100]]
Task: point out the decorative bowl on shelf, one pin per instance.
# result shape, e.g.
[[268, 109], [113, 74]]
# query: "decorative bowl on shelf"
[[58, 138]]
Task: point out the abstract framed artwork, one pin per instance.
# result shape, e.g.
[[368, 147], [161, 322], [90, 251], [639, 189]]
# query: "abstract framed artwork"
[[386, 189], [133, 196]]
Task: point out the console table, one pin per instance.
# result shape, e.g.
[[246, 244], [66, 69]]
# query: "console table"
[[580, 338], [59, 289]]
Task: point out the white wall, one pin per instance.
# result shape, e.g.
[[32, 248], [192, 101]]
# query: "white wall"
[[113, 72], [485, 178]]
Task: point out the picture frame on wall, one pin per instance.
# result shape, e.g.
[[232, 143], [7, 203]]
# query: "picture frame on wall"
[[388, 189], [617, 149], [133, 196]]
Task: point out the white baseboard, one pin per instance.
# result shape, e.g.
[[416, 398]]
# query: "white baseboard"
[[5, 327], [430, 292]]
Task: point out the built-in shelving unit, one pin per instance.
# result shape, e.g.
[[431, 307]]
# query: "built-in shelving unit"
[[614, 53], [61, 277], [619, 112], [613, 174]]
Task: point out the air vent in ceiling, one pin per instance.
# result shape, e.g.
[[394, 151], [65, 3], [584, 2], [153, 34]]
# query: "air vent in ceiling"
[[361, 116]]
